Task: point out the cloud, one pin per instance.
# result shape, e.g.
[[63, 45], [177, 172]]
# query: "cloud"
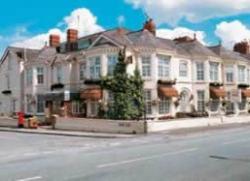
[[172, 11], [181, 31], [121, 20], [81, 19], [232, 32]]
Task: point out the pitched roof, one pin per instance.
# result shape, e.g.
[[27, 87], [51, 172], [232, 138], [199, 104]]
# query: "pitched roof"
[[227, 54], [195, 48]]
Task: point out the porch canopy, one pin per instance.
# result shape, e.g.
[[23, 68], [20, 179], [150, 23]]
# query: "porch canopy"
[[245, 92], [167, 91], [91, 93], [217, 92]]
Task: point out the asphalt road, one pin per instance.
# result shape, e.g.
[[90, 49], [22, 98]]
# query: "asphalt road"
[[214, 155]]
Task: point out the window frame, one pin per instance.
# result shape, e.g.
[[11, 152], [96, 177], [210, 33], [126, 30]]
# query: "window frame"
[[146, 66], [200, 71], [164, 66], [214, 71], [183, 68], [40, 75], [95, 67]]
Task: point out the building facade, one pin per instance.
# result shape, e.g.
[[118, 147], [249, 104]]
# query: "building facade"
[[181, 77]]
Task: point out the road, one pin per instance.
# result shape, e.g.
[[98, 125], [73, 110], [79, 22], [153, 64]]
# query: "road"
[[214, 155]]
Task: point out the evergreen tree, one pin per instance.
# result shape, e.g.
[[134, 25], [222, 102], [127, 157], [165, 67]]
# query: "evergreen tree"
[[127, 91]]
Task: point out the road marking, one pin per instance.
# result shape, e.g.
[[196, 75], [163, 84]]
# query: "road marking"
[[31, 178], [236, 141], [146, 158]]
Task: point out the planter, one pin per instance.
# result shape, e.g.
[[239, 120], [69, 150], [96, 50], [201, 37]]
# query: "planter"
[[7, 92], [57, 86], [243, 85], [167, 82]]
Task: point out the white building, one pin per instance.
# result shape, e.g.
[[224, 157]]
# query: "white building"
[[182, 76]]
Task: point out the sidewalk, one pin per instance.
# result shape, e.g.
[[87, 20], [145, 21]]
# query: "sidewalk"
[[43, 131]]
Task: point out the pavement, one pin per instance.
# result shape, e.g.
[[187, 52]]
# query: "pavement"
[[206, 155], [49, 131]]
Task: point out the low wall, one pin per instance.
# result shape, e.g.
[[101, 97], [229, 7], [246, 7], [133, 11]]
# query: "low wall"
[[100, 125], [195, 123], [8, 122]]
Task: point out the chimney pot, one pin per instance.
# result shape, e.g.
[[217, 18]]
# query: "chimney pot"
[[242, 47], [72, 35], [150, 26], [54, 40], [183, 39]]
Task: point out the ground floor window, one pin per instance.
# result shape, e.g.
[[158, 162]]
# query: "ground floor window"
[[214, 105], [164, 105], [40, 104], [201, 100], [242, 104], [148, 101], [77, 107], [94, 107]]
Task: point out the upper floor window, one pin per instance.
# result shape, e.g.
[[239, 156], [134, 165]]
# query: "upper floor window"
[[40, 75], [163, 66], [29, 77], [59, 74], [241, 73], [112, 61], [248, 75], [200, 75], [214, 71], [229, 70], [82, 71], [95, 67], [183, 69], [146, 66], [8, 81]]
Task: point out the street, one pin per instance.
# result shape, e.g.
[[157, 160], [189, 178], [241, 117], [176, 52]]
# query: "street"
[[214, 155]]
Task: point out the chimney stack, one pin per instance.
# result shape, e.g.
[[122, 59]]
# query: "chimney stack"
[[150, 26], [72, 35], [54, 40], [184, 39], [242, 47]]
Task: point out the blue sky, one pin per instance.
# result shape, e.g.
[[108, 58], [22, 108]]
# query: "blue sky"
[[212, 21]]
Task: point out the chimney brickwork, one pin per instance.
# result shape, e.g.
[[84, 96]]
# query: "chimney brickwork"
[[54, 40], [242, 47]]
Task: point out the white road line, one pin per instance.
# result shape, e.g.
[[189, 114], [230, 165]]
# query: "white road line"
[[236, 141], [146, 158], [31, 178]]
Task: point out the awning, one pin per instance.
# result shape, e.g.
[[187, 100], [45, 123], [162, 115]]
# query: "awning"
[[245, 92], [167, 91], [91, 94], [217, 92]]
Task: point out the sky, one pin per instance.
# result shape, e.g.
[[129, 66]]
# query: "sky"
[[28, 23]]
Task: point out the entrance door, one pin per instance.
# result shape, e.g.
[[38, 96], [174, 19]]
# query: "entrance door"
[[184, 101]]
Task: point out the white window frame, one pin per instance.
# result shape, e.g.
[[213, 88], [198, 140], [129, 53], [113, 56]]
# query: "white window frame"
[[164, 105], [164, 66], [82, 70], [183, 68], [214, 71], [200, 71], [40, 75], [146, 66], [229, 71], [40, 105], [112, 61], [201, 101], [94, 106], [95, 67], [241, 73]]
